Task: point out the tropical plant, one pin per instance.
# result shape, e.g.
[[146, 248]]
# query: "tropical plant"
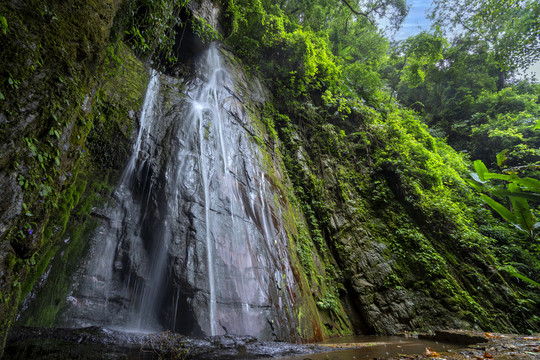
[[519, 191]]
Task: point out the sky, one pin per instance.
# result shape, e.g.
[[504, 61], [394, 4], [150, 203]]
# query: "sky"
[[416, 22]]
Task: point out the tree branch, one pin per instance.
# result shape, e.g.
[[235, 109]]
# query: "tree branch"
[[358, 12]]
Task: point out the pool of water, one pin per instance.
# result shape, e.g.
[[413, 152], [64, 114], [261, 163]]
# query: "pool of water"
[[373, 347]]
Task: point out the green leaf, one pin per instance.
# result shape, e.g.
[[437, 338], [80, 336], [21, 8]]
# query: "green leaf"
[[477, 184], [40, 158], [530, 183], [4, 23], [520, 194], [523, 214], [512, 271], [501, 158], [477, 179], [505, 177], [500, 209], [537, 127], [481, 169]]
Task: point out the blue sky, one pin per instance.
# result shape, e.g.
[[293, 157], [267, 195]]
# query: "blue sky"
[[416, 22]]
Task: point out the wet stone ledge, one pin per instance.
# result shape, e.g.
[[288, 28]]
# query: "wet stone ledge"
[[459, 337], [100, 343]]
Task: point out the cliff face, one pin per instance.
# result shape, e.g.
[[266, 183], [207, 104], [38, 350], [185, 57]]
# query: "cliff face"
[[65, 164], [339, 237], [197, 237], [66, 116]]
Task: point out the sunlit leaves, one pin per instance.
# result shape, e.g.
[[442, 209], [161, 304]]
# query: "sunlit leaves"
[[481, 169], [3, 24], [502, 158], [411, 58]]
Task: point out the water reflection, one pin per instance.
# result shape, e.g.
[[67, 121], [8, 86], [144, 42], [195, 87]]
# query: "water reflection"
[[373, 347]]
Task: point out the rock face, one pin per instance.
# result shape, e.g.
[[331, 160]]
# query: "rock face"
[[203, 233], [54, 57], [197, 237]]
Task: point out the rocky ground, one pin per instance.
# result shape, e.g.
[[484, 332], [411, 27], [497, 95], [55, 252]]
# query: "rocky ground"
[[481, 346], [99, 343]]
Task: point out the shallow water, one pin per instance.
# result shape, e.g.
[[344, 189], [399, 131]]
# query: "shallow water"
[[373, 347]]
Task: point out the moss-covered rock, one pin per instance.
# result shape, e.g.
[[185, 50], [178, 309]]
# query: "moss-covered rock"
[[381, 226], [70, 93], [409, 254]]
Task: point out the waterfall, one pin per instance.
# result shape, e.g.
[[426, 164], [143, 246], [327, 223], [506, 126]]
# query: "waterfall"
[[148, 113], [194, 240]]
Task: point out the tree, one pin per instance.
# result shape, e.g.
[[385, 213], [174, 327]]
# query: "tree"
[[410, 59], [320, 14], [511, 28]]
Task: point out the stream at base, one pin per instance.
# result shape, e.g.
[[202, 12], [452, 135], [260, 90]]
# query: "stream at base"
[[374, 347], [96, 343]]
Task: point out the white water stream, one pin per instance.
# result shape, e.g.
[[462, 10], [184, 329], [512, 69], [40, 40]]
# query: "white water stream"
[[194, 241]]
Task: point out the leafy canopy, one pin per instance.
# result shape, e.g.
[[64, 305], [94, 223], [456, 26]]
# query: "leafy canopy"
[[511, 28]]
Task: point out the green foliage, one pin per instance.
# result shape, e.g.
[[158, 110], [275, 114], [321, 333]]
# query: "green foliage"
[[151, 27], [329, 302], [512, 271], [506, 120], [459, 100], [323, 14], [518, 190], [417, 53], [3, 24], [510, 28], [205, 31]]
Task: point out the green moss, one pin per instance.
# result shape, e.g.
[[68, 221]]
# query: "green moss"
[[115, 94]]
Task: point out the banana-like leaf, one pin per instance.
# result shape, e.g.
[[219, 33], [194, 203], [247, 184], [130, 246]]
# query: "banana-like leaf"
[[523, 214], [478, 186], [529, 183], [481, 169], [506, 177], [520, 194], [513, 271], [477, 179], [500, 209]]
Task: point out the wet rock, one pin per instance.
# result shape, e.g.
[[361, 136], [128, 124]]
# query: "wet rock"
[[206, 10], [100, 343], [10, 201], [460, 337], [194, 239], [482, 346]]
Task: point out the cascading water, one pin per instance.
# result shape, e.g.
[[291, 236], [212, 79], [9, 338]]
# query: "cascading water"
[[194, 240]]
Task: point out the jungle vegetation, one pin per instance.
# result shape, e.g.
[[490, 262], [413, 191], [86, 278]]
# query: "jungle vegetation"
[[425, 108], [441, 121]]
